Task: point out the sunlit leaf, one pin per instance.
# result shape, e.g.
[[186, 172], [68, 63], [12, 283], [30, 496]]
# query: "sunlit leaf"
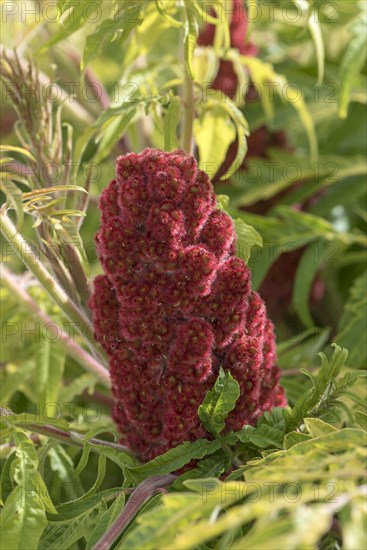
[[219, 402]]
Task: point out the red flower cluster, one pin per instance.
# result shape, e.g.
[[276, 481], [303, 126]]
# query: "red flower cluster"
[[226, 79], [175, 304]]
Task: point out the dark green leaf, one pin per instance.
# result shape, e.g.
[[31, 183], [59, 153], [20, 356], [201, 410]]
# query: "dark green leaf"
[[353, 61], [219, 402], [173, 459], [305, 275], [80, 506], [353, 323], [261, 436], [106, 520]]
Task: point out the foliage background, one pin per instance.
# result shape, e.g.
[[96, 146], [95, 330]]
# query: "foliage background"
[[297, 479]]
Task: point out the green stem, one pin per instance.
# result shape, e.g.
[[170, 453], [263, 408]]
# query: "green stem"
[[72, 438], [227, 449], [55, 291], [188, 122], [82, 357]]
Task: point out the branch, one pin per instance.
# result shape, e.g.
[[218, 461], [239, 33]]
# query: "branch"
[[82, 357], [72, 438], [142, 493], [52, 287]]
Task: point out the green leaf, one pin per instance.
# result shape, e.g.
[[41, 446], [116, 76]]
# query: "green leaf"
[[318, 428], [13, 194], [213, 466], [173, 459], [288, 532], [214, 132], [20, 150], [261, 436], [17, 375], [7, 482], [247, 236], [62, 466], [191, 28], [177, 513], [106, 520], [352, 63], [122, 459], [73, 18], [69, 237], [156, 528], [273, 418], [292, 438], [23, 518], [352, 326], [349, 379], [320, 396], [50, 362], [125, 109], [300, 352], [113, 132], [79, 507], [85, 382], [305, 275], [104, 32], [219, 402], [64, 535], [132, 17], [83, 461], [242, 129], [53, 189], [338, 440], [316, 33], [361, 418], [170, 123], [151, 504], [101, 472]]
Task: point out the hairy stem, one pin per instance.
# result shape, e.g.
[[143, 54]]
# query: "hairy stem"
[[142, 493], [188, 122], [82, 357], [55, 291]]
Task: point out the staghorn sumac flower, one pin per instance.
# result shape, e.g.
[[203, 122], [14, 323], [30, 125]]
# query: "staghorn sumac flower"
[[175, 304]]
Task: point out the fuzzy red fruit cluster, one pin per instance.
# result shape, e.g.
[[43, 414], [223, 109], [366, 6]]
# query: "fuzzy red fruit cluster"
[[175, 304]]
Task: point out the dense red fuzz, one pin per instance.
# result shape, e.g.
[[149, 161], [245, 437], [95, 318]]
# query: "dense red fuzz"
[[175, 304]]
